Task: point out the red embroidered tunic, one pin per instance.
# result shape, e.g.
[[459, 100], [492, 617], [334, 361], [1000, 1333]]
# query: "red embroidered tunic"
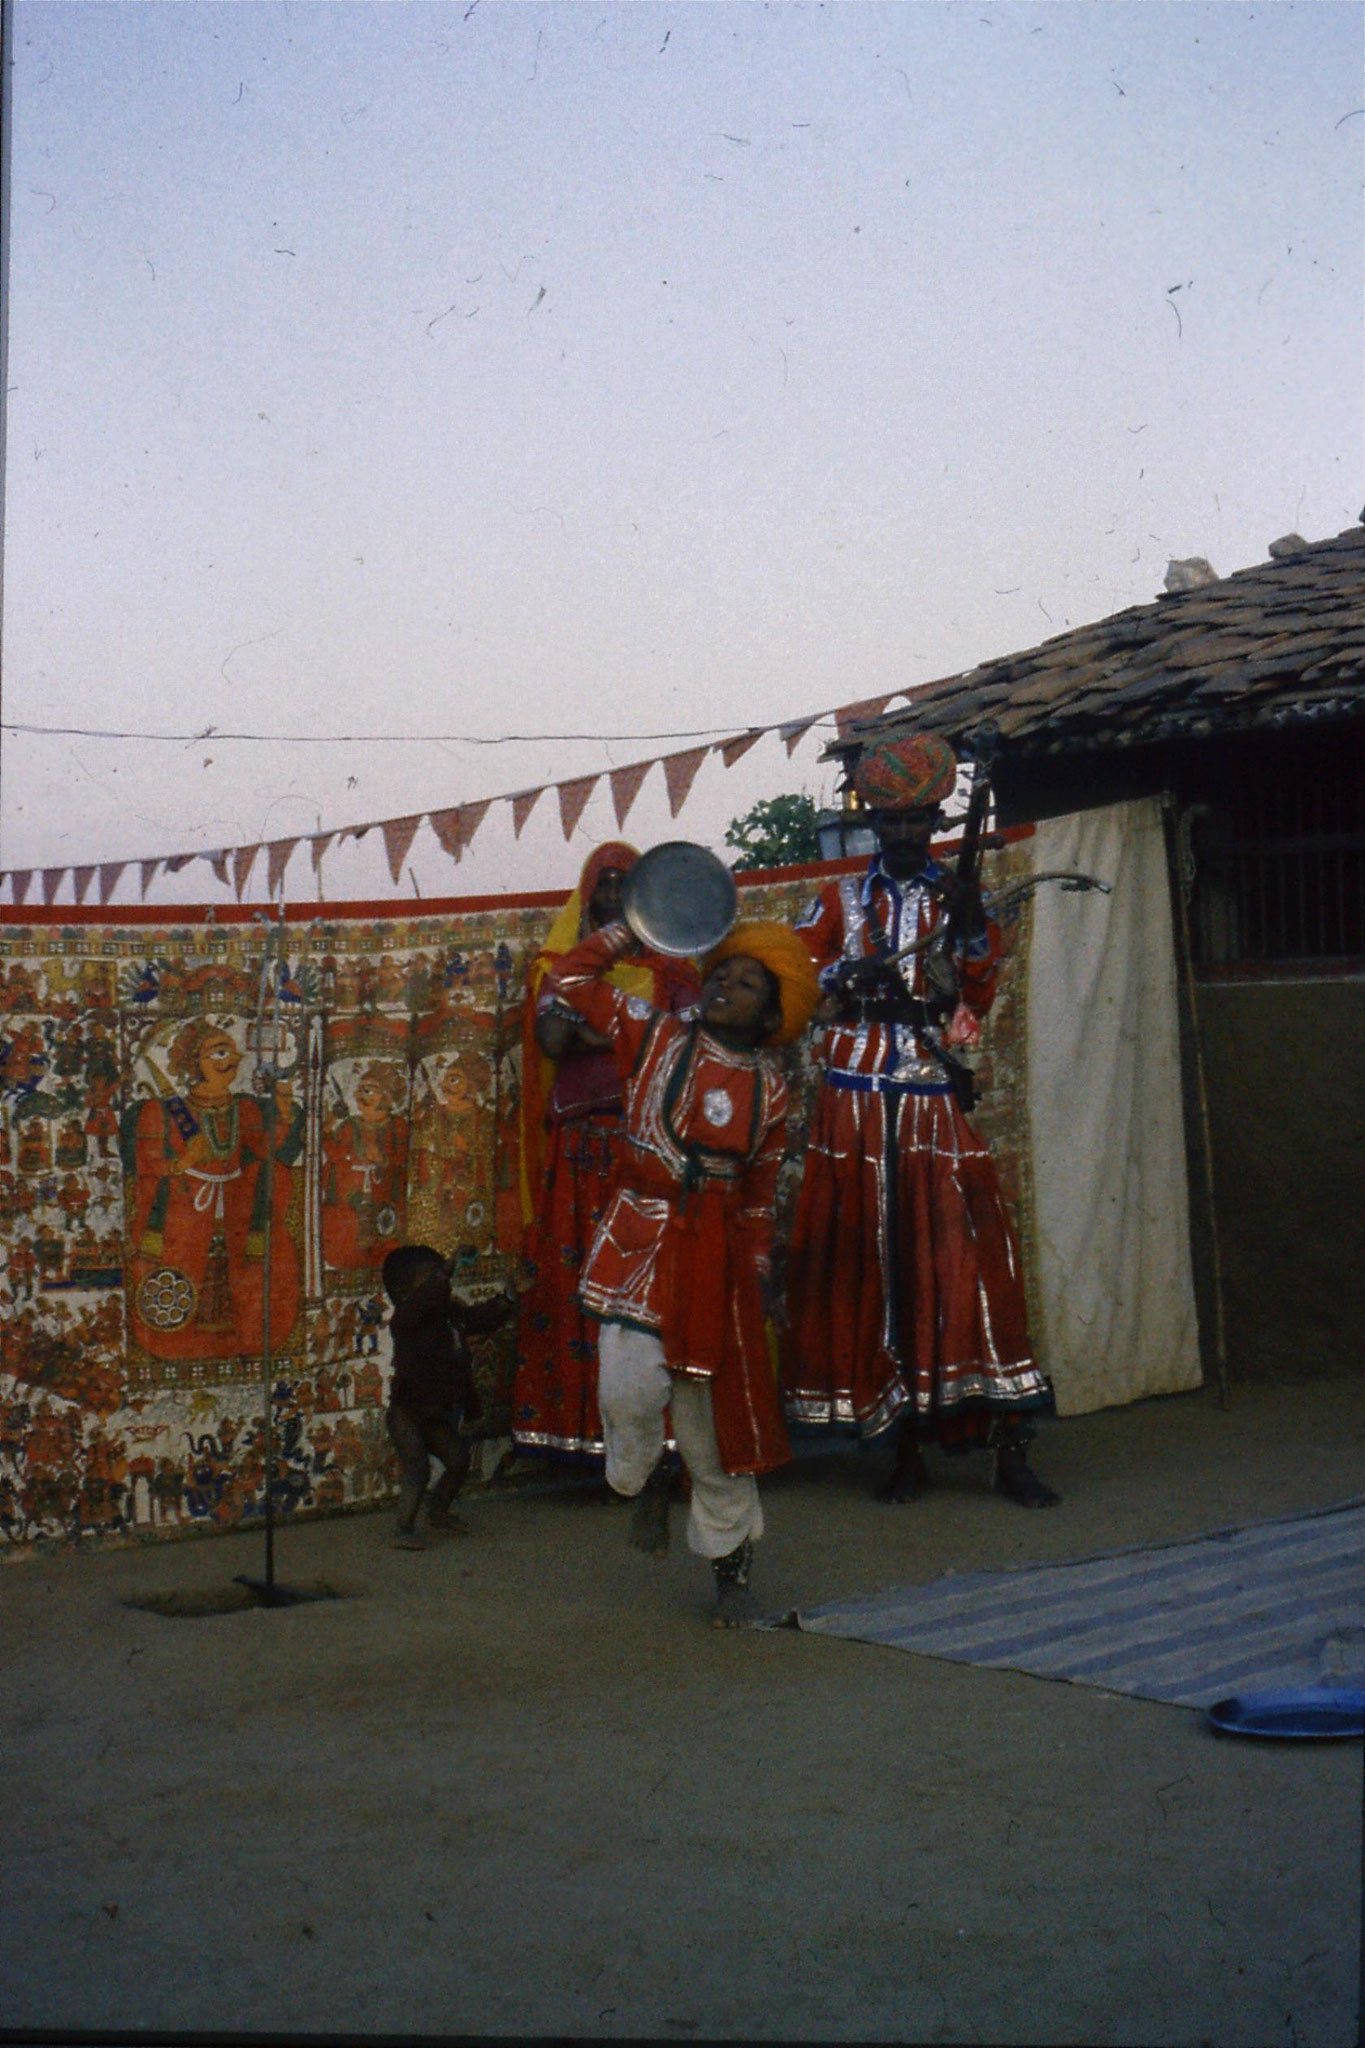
[[685, 1245], [905, 1291]]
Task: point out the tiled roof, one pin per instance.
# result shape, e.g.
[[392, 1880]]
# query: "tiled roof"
[[1277, 645]]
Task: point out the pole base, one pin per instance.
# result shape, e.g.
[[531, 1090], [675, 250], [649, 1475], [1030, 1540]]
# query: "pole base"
[[269, 1593]]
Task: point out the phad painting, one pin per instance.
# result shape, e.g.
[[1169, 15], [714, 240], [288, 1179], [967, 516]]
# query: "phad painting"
[[465, 1093], [364, 1166], [211, 1189]]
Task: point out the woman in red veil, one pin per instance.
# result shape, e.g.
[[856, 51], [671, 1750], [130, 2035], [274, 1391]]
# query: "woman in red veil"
[[570, 1116]]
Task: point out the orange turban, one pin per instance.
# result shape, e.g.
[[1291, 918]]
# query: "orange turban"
[[906, 775], [776, 947]]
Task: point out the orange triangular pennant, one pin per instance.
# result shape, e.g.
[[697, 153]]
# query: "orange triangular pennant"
[[446, 826], [858, 714], [522, 807], [457, 826], [147, 874], [19, 881], [792, 735], [52, 882], [625, 787], [318, 845], [81, 878], [218, 862], [471, 817], [679, 774], [399, 834], [277, 860], [243, 861], [109, 875], [730, 751], [573, 797]]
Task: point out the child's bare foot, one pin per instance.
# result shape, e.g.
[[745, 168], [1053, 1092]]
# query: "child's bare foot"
[[449, 1525]]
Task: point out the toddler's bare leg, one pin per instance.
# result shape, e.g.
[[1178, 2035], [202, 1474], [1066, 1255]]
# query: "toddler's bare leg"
[[453, 1451]]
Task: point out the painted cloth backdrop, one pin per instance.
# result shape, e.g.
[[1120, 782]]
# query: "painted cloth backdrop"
[[139, 1162]]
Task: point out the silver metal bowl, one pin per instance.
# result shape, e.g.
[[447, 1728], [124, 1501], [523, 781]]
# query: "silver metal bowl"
[[679, 899]]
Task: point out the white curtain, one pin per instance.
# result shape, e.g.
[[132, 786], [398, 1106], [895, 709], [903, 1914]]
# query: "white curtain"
[[1110, 1199]]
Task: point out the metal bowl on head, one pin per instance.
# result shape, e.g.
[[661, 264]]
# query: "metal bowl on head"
[[679, 899]]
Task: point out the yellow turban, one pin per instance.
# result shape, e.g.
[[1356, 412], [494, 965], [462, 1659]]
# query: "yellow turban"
[[776, 947]]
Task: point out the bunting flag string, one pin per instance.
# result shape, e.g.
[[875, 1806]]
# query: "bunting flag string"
[[277, 860], [456, 825], [625, 787], [471, 817], [398, 835], [730, 751], [446, 826], [573, 797], [792, 735], [680, 772], [522, 807], [243, 861], [857, 714]]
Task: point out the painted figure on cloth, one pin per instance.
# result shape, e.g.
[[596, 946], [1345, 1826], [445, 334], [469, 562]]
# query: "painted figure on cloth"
[[35, 1143], [905, 1298], [364, 1171], [570, 1119], [450, 1143], [196, 1159], [678, 1270]]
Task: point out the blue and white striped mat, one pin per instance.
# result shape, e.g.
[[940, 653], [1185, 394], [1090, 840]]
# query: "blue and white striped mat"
[[1273, 1605]]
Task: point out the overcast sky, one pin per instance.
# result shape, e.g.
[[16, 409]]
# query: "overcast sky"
[[504, 368]]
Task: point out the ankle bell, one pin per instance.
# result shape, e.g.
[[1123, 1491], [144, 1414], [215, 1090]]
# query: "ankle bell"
[[733, 1568]]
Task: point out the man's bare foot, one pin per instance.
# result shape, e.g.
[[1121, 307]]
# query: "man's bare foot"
[[1017, 1481], [909, 1477]]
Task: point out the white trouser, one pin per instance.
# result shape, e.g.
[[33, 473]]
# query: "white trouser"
[[634, 1387]]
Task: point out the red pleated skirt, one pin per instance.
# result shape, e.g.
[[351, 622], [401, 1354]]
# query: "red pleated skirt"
[[905, 1292], [554, 1395]]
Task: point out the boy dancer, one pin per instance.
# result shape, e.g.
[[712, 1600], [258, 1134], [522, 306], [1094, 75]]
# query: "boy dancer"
[[677, 1274], [433, 1385]]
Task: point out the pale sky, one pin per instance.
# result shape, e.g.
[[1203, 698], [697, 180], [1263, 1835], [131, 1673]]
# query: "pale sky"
[[613, 369]]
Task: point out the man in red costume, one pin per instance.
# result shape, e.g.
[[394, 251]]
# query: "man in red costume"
[[906, 1300], [677, 1274]]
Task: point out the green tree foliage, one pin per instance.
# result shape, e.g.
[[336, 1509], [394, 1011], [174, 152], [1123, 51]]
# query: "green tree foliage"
[[779, 832]]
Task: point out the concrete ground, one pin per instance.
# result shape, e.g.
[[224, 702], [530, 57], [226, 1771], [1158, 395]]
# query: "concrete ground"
[[517, 1786]]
